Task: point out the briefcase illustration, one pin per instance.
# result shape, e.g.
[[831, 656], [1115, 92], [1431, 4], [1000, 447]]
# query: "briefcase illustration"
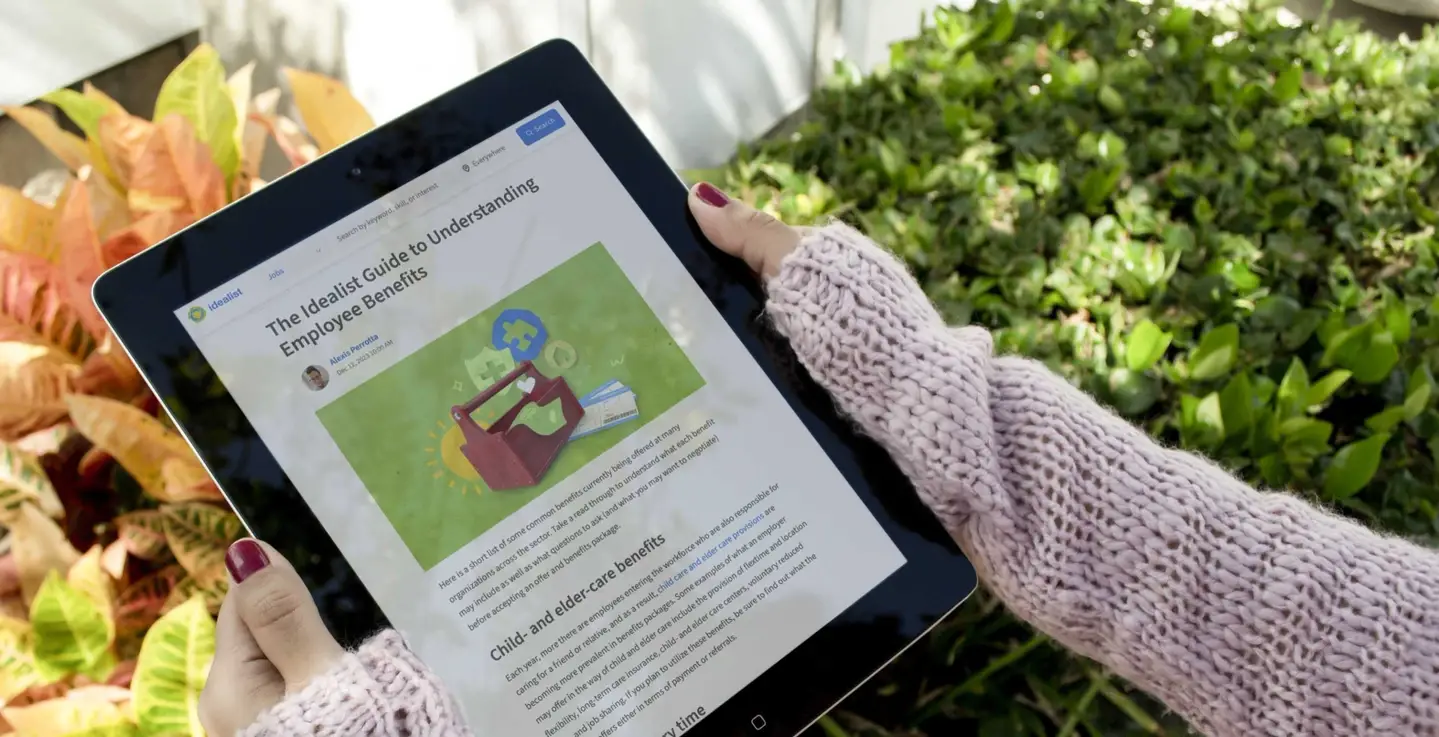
[[508, 455]]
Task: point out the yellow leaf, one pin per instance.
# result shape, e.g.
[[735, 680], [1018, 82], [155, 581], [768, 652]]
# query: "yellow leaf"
[[198, 535], [68, 147], [143, 533], [88, 576], [70, 632], [34, 381], [211, 586], [331, 114], [202, 180], [138, 441], [95, 93], [185, 480], [85, 111], [17, 664], [122, 139], [25, 225], [40, 548], [64, 716], [196, 90], [23, 479], [170, 672]]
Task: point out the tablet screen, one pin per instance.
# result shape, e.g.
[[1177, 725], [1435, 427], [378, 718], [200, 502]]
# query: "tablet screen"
[[549, 459]]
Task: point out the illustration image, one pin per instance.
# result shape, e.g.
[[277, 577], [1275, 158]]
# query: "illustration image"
[[460, 434]]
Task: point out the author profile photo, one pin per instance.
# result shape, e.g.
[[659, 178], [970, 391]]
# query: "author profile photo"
[[316, 377]]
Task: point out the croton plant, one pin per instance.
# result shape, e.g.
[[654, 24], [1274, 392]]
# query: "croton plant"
[[114, 535]]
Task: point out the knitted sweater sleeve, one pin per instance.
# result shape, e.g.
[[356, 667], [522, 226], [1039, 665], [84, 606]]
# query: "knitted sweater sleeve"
[[1246, 612], [380, 690]]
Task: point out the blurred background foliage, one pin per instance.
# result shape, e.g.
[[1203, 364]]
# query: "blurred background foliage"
[[1221, 226]]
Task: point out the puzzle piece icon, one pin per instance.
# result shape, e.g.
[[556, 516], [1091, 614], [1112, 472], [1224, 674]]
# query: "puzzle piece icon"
[[489, 366], [521, 332]]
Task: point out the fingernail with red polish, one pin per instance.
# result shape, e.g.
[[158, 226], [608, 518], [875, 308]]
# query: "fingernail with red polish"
[[245, 558], [711, 195]]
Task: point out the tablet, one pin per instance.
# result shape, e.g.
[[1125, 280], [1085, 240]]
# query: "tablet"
[[479, 376]]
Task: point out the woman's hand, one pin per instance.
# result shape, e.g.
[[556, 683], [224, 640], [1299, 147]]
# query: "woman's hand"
[[269, 640], [740, 230]]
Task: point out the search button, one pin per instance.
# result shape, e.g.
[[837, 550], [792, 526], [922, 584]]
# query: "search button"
[[546, 123]]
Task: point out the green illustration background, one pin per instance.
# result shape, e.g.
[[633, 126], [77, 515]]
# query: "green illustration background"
[[395, 429]]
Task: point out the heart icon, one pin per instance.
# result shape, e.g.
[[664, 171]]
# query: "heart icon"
[[526, 384]]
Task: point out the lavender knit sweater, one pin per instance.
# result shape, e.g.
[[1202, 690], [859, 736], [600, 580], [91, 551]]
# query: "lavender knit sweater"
[[1248, 613]]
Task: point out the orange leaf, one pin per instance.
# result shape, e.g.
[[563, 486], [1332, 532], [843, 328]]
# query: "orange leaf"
[[33, 293], [292, 141], [80, 260], [154, 184], [150, 229], [200, 176], [175, 171], [34, 382], [123, 139], [68, 147], [25, 225], [138, 606], [109, 372], [332, 115], [108, 208], [138, 441], [187, 481], [92, 462], [143, 533]]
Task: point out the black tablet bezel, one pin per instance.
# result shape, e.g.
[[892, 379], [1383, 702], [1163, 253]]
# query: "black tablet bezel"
[[138, 298]]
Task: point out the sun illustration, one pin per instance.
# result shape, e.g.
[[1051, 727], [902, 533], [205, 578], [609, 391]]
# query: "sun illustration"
[[447, 461]]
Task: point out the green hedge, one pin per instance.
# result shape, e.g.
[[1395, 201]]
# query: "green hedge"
[[1225, 230]]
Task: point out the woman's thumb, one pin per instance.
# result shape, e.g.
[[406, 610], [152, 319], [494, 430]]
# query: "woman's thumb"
[[275, 606], [740, 230]]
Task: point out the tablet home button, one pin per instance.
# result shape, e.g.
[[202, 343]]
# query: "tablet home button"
[[757, 722]]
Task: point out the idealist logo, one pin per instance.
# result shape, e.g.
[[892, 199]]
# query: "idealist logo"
[[197, 313]]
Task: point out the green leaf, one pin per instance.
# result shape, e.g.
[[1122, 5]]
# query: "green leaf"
[[1146, 345], [86, 112], [1216, 354], [1131, 392], [1323, 389], [1417, 400], [1237, 405], [196, 89], [1287, 84], [1294, 389], [1353, 467], [170, 672], [1111, 100], [198, 535], [1386, 420], [71, 634], [1373, 364], [1001, 27]]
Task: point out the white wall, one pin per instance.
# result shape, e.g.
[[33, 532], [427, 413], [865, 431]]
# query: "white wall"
[[699, 75], [45, 44]]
